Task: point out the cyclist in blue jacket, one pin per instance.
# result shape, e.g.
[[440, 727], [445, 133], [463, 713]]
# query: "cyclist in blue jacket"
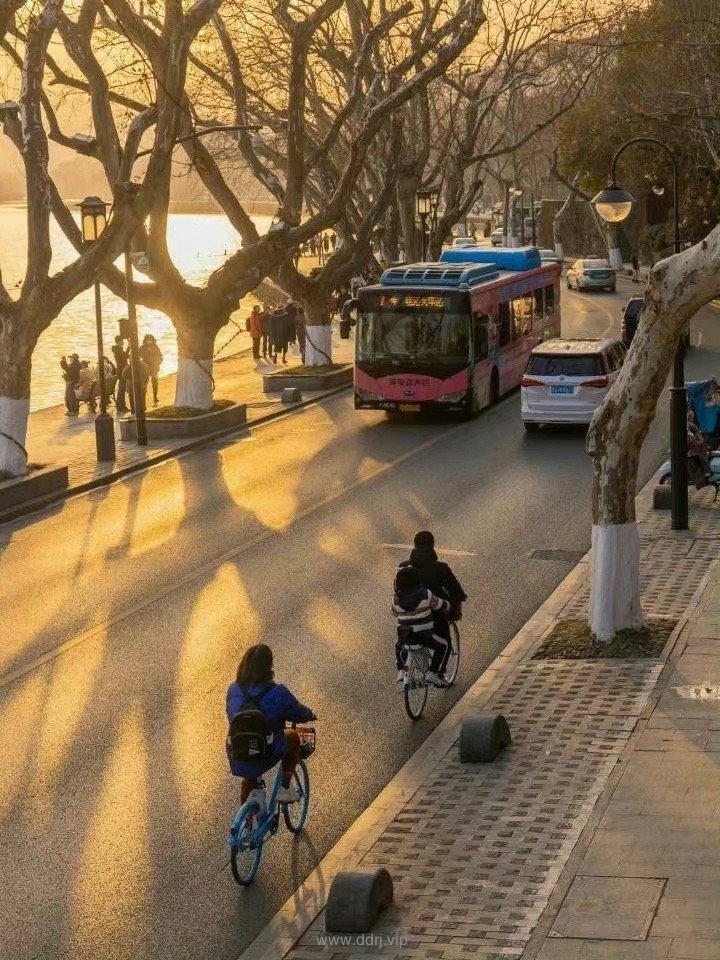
[[255, 680]]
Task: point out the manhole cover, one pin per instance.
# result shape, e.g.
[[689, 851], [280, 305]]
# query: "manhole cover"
[[568, 556], [608, 908]]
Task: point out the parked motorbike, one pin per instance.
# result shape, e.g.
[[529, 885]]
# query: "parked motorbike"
[[703, 463]]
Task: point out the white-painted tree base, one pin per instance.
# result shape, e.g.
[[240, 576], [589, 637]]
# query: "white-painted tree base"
[[318, 346], [194, 386], [13, 433], [615, 588]]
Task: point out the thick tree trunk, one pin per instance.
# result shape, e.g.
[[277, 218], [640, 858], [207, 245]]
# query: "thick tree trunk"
[[318, 332], [15, 367], [678, 287], [194, 385]]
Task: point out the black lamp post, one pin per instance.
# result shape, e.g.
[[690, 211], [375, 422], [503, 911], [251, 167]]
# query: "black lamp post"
[[93, 214], [424, 209], [613, 205], [138, 393]]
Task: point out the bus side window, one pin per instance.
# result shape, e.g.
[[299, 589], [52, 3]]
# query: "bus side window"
[[503, 324], [480, 335], [538, 313], [549, 300], [522, 316]]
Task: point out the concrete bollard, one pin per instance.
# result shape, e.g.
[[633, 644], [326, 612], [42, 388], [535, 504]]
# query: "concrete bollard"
[[356, 898], [662, 497], [290, 395], [482, 737]]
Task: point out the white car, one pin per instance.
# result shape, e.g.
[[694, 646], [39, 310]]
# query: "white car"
[[548, 256], [590, 275], [497, 237], [565, 381], [464, 242]]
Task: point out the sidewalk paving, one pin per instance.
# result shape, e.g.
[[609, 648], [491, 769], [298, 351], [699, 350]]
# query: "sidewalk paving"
[[58, 439], [595, 835]]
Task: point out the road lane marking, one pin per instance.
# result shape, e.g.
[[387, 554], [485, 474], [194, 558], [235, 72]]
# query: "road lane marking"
[[449, 553]]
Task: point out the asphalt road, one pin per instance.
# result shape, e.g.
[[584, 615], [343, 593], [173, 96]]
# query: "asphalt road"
[[125, 613]]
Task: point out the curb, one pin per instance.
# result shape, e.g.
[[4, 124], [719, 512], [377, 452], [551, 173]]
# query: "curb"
[[289, 924], [39, 503]]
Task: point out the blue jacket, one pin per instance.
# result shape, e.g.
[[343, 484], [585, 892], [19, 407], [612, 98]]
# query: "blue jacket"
[[278, 705]]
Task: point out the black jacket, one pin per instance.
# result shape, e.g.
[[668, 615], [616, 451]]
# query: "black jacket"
[[436, 575]]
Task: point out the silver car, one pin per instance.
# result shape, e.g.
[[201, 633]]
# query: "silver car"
[[548, 256], [591, 275]]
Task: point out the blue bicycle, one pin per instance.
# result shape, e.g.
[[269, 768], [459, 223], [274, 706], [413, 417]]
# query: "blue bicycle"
[[259, 818]]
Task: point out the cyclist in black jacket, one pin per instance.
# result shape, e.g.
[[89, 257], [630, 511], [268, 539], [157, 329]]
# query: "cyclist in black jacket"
[[438, 577]]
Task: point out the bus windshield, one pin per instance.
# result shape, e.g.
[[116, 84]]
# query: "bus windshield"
[[411, 326]]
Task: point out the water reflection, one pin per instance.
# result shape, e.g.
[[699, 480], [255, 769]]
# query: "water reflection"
[[198, 244]]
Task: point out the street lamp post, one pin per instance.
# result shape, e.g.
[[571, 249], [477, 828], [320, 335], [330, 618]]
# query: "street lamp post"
[[614, 204], [423, 208], [516, 192], [93, 215], [138, 393]]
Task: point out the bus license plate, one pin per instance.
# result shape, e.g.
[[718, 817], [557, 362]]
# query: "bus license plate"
[[562, 389], [409, 408]]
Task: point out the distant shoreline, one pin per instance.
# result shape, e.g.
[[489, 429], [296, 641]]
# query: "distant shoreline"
[[257, 207]]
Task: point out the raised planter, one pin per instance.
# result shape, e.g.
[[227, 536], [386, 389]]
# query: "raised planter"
[[41, 481], [323, 380], [159, 428]]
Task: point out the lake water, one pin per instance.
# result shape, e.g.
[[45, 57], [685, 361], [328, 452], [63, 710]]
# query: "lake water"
[[198, 244]]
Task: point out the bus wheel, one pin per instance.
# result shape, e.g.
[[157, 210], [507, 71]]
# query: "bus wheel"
[[494, 388]]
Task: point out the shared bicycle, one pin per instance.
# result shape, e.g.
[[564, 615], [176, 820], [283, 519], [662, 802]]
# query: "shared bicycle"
[[417, 664], [259, 818]]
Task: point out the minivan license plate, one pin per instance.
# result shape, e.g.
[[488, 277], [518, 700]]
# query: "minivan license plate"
[[409, 408], [562, 389]]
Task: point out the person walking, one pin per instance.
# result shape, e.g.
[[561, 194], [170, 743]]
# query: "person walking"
[[326, 243], [120, 356], [144, 375], [152, 357], [255, 328], [635, 268], [279, 334], [71, 376], [265, 328], [300, 331]]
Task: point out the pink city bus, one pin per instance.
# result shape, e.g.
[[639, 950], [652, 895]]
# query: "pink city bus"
[[453, 335]]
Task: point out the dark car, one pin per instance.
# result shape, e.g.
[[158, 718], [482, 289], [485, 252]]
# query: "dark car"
[[630, 319]]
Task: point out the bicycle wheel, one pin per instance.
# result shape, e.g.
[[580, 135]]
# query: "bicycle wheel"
[[416, 688], [451, 668], [295, 814], [245, 853]]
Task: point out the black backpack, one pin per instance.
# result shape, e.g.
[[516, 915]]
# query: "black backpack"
[[248, 736]]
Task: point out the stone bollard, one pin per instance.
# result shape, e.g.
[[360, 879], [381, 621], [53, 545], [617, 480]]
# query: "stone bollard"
[[290, 395], [482, 737], [662, 497], [356, 898]]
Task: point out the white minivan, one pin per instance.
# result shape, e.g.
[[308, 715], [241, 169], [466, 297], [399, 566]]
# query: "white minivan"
[[565, 381]]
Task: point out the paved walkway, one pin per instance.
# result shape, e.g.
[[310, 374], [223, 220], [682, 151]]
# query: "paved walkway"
[[595, 835], [59, 439]]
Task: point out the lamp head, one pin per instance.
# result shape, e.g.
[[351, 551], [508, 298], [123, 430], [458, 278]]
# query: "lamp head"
[[613, 203], [93, 215]]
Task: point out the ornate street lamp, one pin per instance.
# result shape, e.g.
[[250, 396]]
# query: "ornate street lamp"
[[614, 204], [93, 215], [425, 203]]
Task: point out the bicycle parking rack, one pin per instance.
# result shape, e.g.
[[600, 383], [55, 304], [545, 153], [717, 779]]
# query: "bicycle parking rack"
[[482, 737], [356, 898]]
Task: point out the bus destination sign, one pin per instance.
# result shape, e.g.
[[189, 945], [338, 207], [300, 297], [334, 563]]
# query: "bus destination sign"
[[412, 301]]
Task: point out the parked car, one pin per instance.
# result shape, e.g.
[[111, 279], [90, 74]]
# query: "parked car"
[[565, 381], [464, 242], [630, 319], [591, 275], [497, 237], [549, 256]]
